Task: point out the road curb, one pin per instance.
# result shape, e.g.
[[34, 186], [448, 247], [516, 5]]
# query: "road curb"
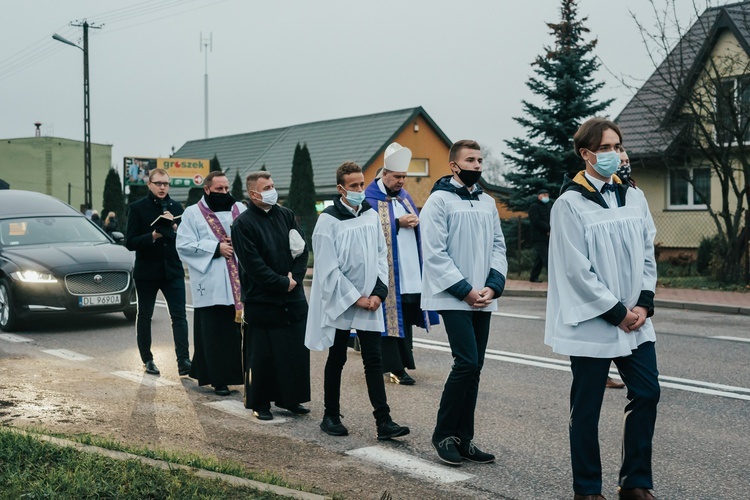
[[120, 455]]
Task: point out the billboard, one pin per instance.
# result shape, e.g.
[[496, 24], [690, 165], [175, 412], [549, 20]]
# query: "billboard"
[[183, 172]]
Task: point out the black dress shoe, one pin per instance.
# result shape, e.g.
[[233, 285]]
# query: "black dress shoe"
[[222, 391], [297, 409], [402, 378], [390, 430], [473, 454], [151, 368], [263, 414], [183, 367], [332, 426]]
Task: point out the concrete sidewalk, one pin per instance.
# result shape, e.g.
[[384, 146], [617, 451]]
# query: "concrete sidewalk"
[[677, 298]]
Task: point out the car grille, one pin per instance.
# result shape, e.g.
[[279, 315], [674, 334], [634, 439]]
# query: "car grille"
[[96, 283]]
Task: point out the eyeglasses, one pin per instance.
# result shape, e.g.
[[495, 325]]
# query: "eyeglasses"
[[160, 184]]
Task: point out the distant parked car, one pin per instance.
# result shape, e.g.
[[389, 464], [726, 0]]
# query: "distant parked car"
[[55, 260]]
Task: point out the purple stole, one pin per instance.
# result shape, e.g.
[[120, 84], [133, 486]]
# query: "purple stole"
[[234, 275]]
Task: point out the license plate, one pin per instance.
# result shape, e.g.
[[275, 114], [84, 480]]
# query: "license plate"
[[98, 300]]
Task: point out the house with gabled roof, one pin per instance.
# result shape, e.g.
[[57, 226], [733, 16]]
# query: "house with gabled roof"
[[362, 139], [692, 109]]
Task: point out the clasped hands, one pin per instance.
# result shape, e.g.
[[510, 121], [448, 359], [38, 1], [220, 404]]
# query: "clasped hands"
[[408, 220], [371, 303], [479, 299], [225, 248], [635, 319]]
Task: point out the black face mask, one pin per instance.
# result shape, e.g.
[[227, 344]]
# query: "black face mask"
[[219, 202], [469, 177]]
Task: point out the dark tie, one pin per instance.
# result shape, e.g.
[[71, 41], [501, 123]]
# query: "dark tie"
[[609, 187]]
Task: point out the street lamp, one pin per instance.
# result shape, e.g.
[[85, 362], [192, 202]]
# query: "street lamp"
[[86, 112]]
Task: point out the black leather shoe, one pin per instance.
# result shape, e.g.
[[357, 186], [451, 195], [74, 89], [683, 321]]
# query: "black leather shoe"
[[263, 414], [390, 430], [151, 368], [183, 367], [473, 454], [332, 426], [222, 391], [297, 409], [402, 378], [447, 450]]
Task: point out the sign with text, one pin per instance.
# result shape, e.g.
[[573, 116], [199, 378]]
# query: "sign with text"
[[183, 172]]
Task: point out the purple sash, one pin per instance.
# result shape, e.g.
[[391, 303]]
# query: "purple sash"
[[234, 275]]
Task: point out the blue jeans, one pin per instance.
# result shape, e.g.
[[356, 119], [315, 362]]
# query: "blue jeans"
[[174, 293], [468, 332], [641, 377]]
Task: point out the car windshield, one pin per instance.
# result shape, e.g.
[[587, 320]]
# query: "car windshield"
[[25, 231]]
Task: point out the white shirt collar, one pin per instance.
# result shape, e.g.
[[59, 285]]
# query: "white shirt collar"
[[596, 182], [352, 210], [459, 185]]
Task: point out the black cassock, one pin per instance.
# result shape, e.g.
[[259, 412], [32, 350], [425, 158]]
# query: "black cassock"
[[217, 339]]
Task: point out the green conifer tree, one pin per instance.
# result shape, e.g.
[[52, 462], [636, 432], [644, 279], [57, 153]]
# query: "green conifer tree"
[[113, 197], [565, 83], [238, 190], [301, 199]]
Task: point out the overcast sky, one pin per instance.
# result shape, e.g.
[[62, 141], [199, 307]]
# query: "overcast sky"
[[284, 62]]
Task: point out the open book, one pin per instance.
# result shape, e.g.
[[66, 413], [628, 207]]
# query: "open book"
[[164, 221]]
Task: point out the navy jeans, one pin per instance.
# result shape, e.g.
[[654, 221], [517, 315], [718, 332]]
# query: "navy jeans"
[[174, 293], [370, 344], [468, 333], [641, 377]]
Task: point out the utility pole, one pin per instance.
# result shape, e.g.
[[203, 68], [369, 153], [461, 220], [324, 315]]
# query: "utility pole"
[[206, 45]]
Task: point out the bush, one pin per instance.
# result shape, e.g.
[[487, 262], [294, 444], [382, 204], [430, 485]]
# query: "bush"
[[706, 252]]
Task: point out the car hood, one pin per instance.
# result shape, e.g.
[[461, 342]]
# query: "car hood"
[[63, 259]]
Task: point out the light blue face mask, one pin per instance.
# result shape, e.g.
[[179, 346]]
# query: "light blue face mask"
[[355, 198], [606, 163]]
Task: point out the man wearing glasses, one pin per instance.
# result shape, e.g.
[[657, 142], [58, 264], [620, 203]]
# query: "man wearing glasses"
[[152, 222]]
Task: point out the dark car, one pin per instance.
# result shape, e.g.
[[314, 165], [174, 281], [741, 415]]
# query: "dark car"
[[55, 260]]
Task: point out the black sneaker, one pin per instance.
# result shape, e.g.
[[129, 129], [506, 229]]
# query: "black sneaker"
[[183, 367], [447, 450], [332, 426], [473, 454], [390, 429]]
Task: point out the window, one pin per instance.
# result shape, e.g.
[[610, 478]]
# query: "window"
[[418, 167], [732, 109], [686, 195]]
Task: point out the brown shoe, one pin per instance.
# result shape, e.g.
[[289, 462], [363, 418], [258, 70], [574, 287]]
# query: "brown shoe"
[[588, 497], [635, 494], [614, 384]]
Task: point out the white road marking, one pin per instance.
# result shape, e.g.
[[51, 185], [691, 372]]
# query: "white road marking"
[[736, 339], [144, 379], [9, 337], [520, 316], [413, 466], [684, 384], [237, 408], [66, 354]]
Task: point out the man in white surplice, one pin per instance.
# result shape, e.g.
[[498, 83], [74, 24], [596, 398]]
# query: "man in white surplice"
[[349, 285], [602, 277], [204, 244]]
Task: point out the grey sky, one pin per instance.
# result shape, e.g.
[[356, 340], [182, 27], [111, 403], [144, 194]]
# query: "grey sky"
[[277, 63]]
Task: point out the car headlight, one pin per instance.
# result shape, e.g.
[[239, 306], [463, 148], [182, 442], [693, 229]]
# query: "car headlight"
[[33, 277]]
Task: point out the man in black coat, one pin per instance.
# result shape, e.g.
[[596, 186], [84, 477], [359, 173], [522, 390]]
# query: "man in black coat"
[[158, 267], [539, 219]]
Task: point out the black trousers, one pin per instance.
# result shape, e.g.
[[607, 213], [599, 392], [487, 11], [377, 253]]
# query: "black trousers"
[[640, 375], [174, 293], [541, 249], [370, 344], [217, 347], [468, 333]]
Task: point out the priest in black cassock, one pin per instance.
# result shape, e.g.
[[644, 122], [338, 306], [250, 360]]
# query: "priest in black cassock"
[[272, 257]]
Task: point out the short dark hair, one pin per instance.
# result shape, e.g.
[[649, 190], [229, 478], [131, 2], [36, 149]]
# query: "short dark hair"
[[157, 171], [589, 135], [459, 145], [253, 177], [210, 177], [346, 168]]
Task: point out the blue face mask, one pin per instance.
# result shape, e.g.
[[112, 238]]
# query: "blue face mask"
[[355, 198], [545, 199], [606, 163]]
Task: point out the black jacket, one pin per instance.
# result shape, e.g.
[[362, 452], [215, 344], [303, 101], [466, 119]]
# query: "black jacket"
[[154, 260], [539, 221]]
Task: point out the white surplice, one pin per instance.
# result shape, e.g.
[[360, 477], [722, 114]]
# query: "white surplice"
[[598, 257], [196, 244], [350, 256]]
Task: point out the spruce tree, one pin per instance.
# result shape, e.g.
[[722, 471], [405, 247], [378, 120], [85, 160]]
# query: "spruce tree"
[[238, 191], [113, 197], [196, 193], [564, 81], [301, 199]]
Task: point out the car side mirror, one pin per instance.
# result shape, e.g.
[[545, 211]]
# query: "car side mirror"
[[118, 237]]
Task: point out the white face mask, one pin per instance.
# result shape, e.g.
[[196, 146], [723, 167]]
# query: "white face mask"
[[270, 197]]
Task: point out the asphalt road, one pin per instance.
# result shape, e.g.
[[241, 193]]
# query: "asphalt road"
[[701, 447]]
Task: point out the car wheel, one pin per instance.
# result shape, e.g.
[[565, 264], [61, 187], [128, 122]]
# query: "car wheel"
[[8, 316], [130, 313]]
